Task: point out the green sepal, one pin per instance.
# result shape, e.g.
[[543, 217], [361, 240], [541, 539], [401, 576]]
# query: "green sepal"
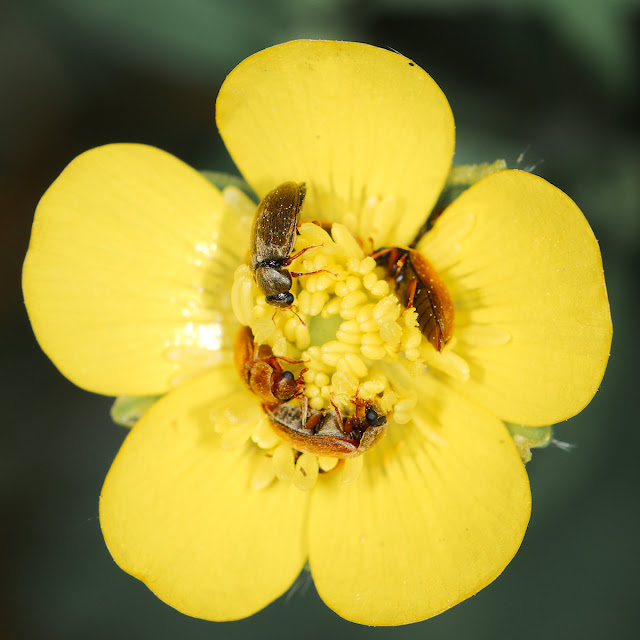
[[127, 410], [527, 438], [223, 180], [462, 176]]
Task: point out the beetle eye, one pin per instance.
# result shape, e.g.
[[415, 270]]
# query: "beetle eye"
[[371, 416], [374, 419], [288, 375]]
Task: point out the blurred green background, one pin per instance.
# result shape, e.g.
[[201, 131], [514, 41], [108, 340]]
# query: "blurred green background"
[[556, 78]]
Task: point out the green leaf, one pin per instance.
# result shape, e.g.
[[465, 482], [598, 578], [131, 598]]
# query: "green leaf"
[[127, 410], [527, 438], [222, 180]]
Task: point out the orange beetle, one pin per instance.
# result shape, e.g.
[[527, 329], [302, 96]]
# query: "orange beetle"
[[419, 285], [261, 372]]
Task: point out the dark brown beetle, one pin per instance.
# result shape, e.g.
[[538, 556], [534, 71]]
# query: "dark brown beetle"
[[261, 372], [419, 285], [328, 432], [273, 236]]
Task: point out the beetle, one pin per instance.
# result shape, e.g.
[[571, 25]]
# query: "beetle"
[[273, 236], [419, 285], [261, 372], [365, 415], [328, 432]]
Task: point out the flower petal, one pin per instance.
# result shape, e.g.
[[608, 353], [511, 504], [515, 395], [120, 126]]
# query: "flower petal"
[[369, 131], [178, 512], [127, 258], [532, 315], [436, 514]]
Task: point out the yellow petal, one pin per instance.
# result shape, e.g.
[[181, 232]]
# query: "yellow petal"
[[532, 316], [180, 513], [368, 130], [436, 514], [127, 264]]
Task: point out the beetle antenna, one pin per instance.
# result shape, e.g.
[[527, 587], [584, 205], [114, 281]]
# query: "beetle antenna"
[[338, 414], [273, 317], [304, 324]]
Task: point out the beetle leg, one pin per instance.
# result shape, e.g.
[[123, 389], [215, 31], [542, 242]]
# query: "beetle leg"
[[393, 256], [290, 259], [355, 400], [411, 292], [338, 414], [298, 274], [396, 269], [290, 360], [304, 406], [380, 252]]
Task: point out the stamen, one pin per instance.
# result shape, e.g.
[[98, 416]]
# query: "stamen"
[[346, 241], [264, 436], [284, 462], [236, 437], [306, 473], [403, 409], [379, 217], [352, 469], [448, 362], [242, 295], [263, 473], [327, 464], [478, 335], [443, 244], [352, 363]]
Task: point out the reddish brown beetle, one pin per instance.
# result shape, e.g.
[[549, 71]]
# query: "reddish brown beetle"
[[261, 372], [328, 432], [419, 285], [273, 236]]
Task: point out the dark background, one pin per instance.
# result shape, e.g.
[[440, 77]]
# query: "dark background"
[[555, 78]]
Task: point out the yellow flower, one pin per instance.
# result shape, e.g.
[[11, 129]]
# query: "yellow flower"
[[133, 282]]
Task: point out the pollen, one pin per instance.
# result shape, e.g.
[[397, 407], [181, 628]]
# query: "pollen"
[[338, 338]]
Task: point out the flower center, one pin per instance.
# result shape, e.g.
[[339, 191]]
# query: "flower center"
[[338, 343], [346, 322]]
